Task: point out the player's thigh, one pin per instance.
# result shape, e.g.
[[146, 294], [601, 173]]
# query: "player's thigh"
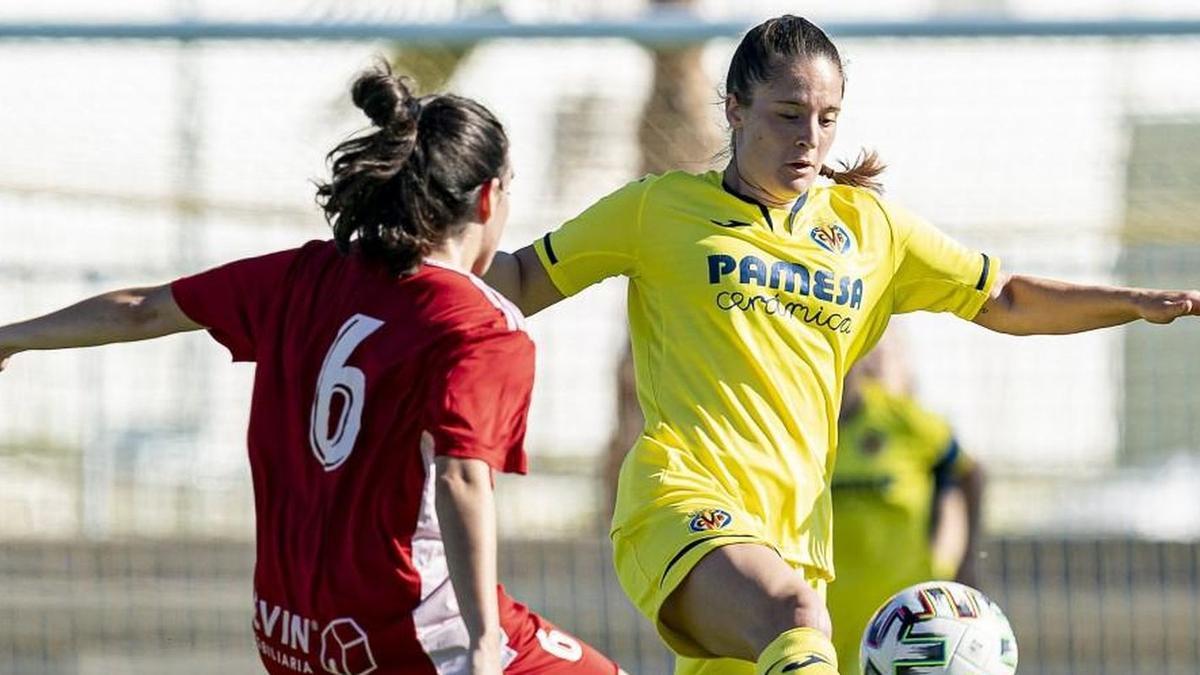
[[740, 597], [546, 649]]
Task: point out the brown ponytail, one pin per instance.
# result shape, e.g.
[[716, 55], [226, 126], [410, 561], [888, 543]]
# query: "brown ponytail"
[[862, 174]]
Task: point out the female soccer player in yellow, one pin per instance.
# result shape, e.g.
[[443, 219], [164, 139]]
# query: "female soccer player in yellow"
[[752, 291], [905, 498]]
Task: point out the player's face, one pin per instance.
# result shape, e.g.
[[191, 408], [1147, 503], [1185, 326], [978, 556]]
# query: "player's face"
[[494, 225], [782, 136]]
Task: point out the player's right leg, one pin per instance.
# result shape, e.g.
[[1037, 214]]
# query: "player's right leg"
[[706, 573], [743, 601], [715, 588]]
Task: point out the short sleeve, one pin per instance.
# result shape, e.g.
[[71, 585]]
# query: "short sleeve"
[[935, 273], [232, 301], [951, 465], [478, 410], [599, 243]]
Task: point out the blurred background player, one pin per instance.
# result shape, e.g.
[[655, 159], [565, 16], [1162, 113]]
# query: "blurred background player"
[[906, 499], [390, 383]]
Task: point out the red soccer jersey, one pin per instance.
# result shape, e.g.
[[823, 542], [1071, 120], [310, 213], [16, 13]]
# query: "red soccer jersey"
[[362, 378]]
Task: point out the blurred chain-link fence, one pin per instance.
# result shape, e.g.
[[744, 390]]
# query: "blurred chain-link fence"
[[123, 488]]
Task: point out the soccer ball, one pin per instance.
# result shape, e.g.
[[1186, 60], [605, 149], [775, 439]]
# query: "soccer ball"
[[939, 628]]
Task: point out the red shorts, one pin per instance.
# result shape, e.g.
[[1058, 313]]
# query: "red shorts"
[[291, 644], [544, 649]]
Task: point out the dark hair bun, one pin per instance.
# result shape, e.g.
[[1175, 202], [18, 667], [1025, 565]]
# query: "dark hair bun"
[[384, 97], [400, 196]]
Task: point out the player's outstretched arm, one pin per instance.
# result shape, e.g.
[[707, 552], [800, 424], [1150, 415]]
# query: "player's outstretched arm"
[[119, 316], [1027, 305], [522, 279], [467, 515]]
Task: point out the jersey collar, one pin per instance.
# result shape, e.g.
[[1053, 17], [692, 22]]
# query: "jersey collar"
[[447, 266], [766, 211]]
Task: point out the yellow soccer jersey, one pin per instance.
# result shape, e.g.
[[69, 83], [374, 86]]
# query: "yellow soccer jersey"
[[891, 455], [743, 321]]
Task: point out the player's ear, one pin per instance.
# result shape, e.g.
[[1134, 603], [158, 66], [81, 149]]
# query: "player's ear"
[[489, 193], [735, 112]]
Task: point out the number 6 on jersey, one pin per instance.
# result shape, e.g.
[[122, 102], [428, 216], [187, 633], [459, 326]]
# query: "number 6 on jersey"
[[333, 445]]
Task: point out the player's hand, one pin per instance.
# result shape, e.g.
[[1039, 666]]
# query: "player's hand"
[[9, 339], [5, 353], [1166, 306]]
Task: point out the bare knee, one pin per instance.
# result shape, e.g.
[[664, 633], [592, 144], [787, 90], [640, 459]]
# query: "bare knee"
[[739, 598], [795, 606]]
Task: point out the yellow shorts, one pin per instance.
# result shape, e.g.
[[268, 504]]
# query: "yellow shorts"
[[654, 553], [670, 513]]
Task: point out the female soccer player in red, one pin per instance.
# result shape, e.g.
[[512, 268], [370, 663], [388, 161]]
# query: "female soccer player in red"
[[390, 383], [751, 291]]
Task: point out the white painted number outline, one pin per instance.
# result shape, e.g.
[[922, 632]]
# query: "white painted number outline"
[[559, 644], [333, 446]]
